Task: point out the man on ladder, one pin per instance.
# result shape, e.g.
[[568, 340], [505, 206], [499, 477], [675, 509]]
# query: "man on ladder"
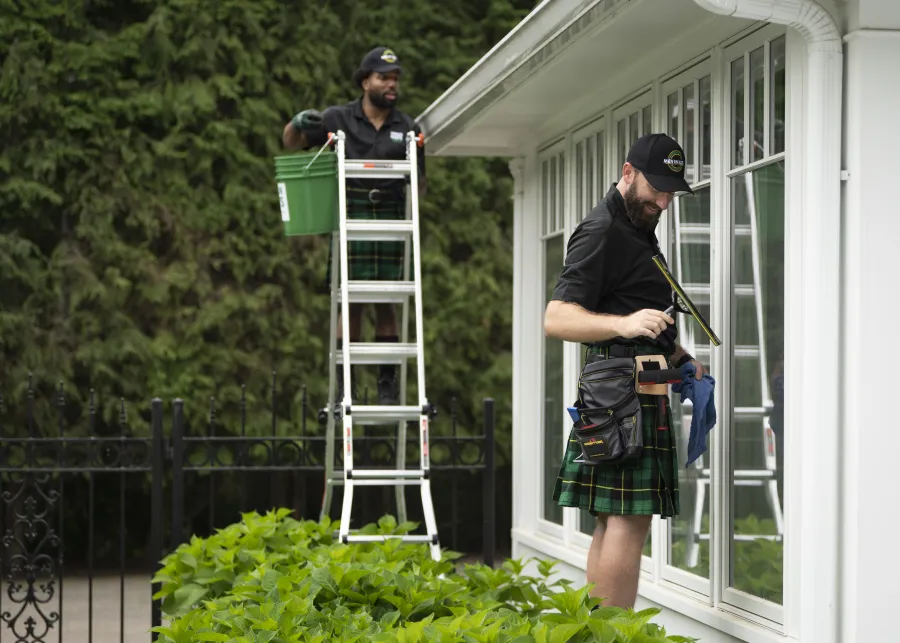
[[381, 167], [375, 129]]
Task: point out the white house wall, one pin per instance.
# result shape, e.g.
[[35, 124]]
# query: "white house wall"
[[871, 236], [683, 613]]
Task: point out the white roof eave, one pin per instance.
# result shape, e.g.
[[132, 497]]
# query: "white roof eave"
[[549, 29]]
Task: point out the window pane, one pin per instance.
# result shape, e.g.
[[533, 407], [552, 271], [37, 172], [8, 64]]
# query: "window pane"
[[758, 330], [647, 120], [555, 431], [622, 135], [689, 531], [690, 134], [776, 54], [580, 179], [561, 188], [601, 166], [672, 116], [737, 112], [633, 132], [545, 197], [589, 178], [553, 195], [758, 103], [705, 128]]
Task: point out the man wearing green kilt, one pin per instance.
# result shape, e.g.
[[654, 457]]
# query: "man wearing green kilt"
[[375, 129], [613, 298]]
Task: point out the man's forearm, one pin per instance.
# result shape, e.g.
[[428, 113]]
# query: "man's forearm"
[[572, 323]]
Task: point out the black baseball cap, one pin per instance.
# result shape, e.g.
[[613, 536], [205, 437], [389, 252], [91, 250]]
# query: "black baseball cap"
[[661, 159], [380, 59]]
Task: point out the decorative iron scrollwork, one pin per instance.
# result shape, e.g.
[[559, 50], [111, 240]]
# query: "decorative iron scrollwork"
[[31, 547]]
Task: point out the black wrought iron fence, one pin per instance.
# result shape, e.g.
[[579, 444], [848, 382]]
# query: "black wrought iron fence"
[[89, 507]]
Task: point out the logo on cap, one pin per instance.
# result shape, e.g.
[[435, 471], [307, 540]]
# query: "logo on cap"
[[389, 56], [674, 161]]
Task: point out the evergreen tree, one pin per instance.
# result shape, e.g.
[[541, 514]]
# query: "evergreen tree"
[[141, 248]]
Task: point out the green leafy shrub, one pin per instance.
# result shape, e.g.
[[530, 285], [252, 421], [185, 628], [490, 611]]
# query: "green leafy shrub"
[[273, 579]]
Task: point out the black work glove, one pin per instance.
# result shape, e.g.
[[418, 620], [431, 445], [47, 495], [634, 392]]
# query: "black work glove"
[[309, 120]]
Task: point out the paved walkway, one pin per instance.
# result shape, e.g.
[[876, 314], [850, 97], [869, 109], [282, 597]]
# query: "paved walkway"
[[106, 613]]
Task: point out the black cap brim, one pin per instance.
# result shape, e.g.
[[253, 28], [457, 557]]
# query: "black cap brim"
[[662, 183]]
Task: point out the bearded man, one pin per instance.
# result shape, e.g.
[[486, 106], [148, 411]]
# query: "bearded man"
[[374, 129], [612, 297]]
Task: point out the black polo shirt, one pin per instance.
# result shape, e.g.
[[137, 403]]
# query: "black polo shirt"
[[363, 141], [609, 269]]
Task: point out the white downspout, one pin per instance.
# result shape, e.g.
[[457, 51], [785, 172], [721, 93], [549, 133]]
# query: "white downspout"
[[814, 364]]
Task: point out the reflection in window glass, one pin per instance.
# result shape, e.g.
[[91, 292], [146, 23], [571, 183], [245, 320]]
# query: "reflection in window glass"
[[545, 197], [705, 128], [757, 311], [689, 531], [561, 192], [600, 188], [555, 430], [579, 178], [672, 115], [553, 195], [758, 104], [737, 112], [589, 178], [690, 134], [777, 63]]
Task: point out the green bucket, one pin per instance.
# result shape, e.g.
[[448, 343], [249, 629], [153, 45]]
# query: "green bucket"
[[307, 193]]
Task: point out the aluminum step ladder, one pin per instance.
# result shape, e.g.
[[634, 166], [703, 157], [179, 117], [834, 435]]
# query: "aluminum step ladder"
[[699, 234], [349, 412]]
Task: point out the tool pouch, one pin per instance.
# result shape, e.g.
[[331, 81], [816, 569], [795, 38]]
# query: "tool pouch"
[[609, 427]]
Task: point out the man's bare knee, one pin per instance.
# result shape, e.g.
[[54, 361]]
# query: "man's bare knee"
[[633, 526]]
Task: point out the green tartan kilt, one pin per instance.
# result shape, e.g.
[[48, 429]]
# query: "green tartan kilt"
[[645, 487], [372, 260]]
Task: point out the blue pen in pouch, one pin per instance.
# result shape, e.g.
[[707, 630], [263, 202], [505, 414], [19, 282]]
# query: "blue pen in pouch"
[[574, 414]]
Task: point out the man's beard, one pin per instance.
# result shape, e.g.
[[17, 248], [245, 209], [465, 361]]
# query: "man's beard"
[[637, 210], [378, 100]]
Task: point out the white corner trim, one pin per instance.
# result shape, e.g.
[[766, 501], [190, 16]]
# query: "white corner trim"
[[812, 324]]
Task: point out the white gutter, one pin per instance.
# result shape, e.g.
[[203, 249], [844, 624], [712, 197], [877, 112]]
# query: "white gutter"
[[814, 364]]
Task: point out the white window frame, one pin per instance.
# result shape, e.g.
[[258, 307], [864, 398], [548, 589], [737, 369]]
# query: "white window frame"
[[691, 75], [660, 582], [594, 129], [558, 228], [750, 607]]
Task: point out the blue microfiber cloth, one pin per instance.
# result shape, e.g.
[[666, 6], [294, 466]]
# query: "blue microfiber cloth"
[[700, 392]]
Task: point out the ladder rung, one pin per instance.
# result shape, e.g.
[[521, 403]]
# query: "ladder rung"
[[386, 482], [368, 414], [746, 351], [379, 230], [410, 538], [378, 353], [387, 473], [364, 169], [379, 292]]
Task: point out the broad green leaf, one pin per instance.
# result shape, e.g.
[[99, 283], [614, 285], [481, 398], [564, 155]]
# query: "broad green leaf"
[[562, 633]]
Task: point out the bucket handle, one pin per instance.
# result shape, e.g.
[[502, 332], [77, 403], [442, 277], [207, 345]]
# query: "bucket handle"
[[322, 149]]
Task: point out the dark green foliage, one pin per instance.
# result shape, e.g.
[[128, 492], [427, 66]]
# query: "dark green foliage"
[[272, 578], [141, 251]]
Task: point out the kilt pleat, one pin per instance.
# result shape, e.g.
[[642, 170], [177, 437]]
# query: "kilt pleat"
[[644, 487]]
